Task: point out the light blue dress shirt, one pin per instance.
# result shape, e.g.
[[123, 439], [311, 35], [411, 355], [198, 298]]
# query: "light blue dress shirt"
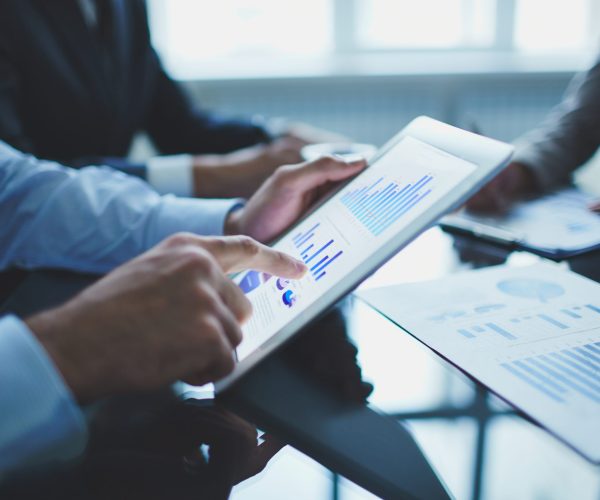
[[89, 220]]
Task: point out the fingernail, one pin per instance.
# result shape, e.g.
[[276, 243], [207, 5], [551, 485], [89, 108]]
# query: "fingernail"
[[301, 266], [357, 162]]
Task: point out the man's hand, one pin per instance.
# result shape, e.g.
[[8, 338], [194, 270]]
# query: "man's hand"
[[287, 194], [171, 313], [514, 182], [240, 173], [595, 206]]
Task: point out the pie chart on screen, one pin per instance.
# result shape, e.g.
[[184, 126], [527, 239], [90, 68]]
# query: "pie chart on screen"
[[288, 298], [282, 283]]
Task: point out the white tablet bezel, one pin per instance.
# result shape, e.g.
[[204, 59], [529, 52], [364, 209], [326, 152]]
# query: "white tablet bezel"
[[489, 155]]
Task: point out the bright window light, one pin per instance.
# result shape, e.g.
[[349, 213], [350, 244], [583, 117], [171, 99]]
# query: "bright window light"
[[229, 34], [193, 30], [553, 25], [385, 24]]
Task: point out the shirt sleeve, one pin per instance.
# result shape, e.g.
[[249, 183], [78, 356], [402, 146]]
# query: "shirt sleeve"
[[89, 220], [41, 422], [171, 174], [568, 137]]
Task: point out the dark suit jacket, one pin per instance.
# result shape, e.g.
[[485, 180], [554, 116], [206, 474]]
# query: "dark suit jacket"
[[68, 94]]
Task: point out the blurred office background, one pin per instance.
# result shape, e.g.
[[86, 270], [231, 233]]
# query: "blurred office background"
[[365, 68]]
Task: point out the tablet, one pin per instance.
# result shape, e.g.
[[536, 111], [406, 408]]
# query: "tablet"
[[425, 171]]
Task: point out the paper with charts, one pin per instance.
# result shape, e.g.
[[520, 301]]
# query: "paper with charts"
[[531, 334]]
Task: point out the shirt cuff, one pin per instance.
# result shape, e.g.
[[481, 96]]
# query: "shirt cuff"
[[171, 174], [41, 423]]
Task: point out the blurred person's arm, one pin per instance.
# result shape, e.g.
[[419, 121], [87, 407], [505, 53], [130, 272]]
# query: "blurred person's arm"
[[546, 157], [88, 220], [568, 137]]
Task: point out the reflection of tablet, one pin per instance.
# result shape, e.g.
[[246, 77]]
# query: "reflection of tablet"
[[428, 169]]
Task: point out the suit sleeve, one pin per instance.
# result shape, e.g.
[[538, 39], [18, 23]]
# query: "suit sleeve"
[[177, 126], [13, 132], [568, 137], [11, 124]]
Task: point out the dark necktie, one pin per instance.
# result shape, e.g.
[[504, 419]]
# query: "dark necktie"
[[104, 34]]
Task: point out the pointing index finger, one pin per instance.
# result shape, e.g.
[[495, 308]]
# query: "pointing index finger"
[[237, 253]]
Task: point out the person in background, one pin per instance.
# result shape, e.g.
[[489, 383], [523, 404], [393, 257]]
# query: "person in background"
[[80, 78], [171, 313], [547, 157]]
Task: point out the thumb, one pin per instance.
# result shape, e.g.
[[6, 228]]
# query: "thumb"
[[310, 175]]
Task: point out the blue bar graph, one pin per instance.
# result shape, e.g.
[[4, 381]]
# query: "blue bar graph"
[[316, 252], [559, 374], [501, 331], [466, 333], [377, 206], [300, 237], [571, 314], [552, 321]]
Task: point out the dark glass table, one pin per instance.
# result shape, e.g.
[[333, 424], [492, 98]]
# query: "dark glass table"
[[353, 394]]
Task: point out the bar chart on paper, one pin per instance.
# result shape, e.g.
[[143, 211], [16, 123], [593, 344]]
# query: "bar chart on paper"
[[379, 204], [557, 374], [317, 249], [531, 334], [539, 324]]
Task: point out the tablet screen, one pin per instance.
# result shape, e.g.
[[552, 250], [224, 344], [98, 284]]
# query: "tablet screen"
[[346, 230]]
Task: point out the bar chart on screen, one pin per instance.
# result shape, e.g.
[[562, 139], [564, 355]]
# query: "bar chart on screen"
[[379, 204], [317, 249]]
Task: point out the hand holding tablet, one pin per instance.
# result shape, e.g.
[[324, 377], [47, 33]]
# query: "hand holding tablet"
[[288, 194]]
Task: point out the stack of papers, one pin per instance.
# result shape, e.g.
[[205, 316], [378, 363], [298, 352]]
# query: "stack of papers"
[[532, 335], [557, 226]]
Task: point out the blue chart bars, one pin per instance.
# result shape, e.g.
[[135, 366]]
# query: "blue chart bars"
[[377, 206], [557, 374], [489, 327], [316, 253], [550, 323]]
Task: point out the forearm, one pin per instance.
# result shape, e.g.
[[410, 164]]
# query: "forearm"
[[89, 220], [41, 423], [568, 137]]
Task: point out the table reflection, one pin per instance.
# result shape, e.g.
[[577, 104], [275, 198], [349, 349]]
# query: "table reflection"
[[156, 446]]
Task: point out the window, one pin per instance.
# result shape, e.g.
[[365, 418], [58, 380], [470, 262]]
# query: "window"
[[205, 29], [549, 25], [385, 24], [188, 32]]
